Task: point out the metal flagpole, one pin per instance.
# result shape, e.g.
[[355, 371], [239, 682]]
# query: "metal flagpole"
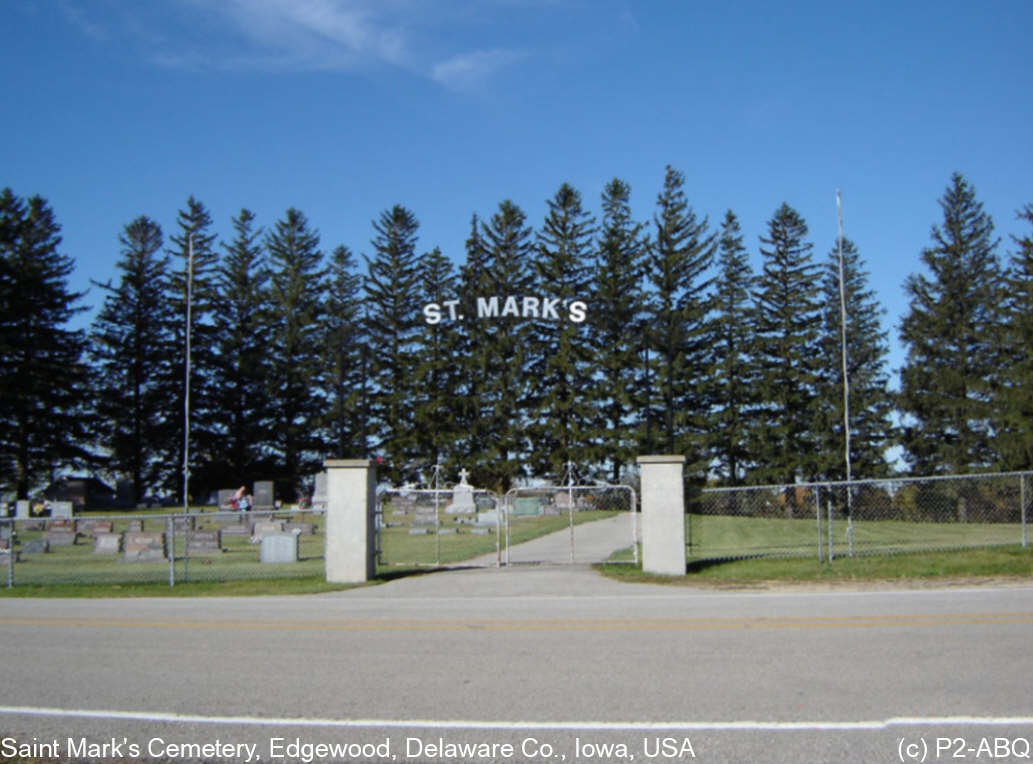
[[846, 377]]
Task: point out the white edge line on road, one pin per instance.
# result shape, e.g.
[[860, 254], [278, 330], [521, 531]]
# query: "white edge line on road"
[[457, 724]]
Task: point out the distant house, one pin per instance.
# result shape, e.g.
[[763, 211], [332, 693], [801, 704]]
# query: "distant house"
[[83, 492]]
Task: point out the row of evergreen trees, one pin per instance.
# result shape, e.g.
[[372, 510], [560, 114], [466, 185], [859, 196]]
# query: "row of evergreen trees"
[[298, 356]]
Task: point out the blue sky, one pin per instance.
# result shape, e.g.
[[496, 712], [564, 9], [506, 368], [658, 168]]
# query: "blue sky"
[[343, 108]]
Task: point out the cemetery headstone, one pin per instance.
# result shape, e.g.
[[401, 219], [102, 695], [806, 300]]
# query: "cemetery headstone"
[[319, 494], [107, 543], [181, 522], [36, 546], [264, 528], [490, 517], [462, 497], [93, 527], [279, 547], [21, 509], [527, 507], [143, 546], [61, 533], [204, 542], [263, 495], [424, 517], [236, 529], [224, 496], [61, 508], [403, 505]]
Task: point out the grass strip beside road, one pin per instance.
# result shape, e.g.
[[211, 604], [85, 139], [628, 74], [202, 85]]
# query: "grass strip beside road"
[[270, 587], [998, 564], [1004, 563]]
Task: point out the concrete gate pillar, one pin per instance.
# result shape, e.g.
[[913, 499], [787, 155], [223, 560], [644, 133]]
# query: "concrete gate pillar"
[[663, 514], [350, 533]]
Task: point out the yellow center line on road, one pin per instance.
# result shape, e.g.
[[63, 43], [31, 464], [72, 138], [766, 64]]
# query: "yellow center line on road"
[[536, 624]]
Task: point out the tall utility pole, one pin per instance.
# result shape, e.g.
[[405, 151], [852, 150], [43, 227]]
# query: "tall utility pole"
[[186, 381], [842, 327], [846, 374]]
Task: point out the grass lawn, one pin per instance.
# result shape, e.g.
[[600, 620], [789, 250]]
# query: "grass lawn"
[[721, 536], [1005, 562]]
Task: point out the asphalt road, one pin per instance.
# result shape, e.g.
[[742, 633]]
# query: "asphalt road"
[[555, 661]]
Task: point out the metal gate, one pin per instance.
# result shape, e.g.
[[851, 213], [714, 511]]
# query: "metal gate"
[[570, 524], [438, 526]]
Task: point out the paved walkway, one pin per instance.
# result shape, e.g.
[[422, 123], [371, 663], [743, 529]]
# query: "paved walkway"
[[592, 542]]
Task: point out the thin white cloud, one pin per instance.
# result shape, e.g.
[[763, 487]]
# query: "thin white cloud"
[[78, 18], [423, 37], [328, 34], [471, 70]]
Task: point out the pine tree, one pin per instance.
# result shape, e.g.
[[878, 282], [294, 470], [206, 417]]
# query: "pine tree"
[[393, 296], [242, 370], [952, 365], [297, 287], [867, 344], [559, 355], [681, 252], [194, 236], [509, 252], [733, 370], [347, 359], [43, 379], [132, 354], [438, 381], [617, 323], [789, 319], [474, 450], [1014, 402]]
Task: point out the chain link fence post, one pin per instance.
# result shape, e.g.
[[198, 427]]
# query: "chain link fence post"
[[817, 514], [849, 521], [636, 516], [828, 502], [170, 547], [1022, 502], [9, 524], [188, 527]]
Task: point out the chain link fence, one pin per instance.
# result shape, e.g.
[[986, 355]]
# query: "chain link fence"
[[461, 525], [168, 548], [838, 519]]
